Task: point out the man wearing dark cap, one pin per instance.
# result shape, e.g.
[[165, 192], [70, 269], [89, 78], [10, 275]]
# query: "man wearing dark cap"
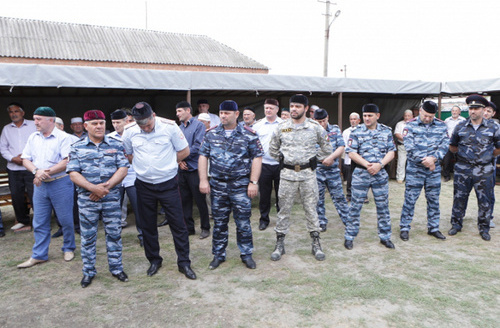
[[328, 172], [248, 116], [270, 167], [12, 141], [155, 146], [426, 142], [476, 142], [371, 147], [45, 156], [203, 107], [298, 144], [235, 155], [489, 114], [285, 113], [189, 181], [97, 165], [119, 119]]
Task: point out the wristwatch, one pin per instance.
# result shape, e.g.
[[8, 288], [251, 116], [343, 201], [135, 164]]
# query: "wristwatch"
[[34, 171], [380, 162], [254, 182]]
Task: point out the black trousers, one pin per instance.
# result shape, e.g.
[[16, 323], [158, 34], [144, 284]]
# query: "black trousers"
[[448, 164], [270, 174], [189, 185], [347, 173], [21, 182], [168, 195]]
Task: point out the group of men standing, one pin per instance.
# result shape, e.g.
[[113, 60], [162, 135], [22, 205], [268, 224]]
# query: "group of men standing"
[[174, 165]]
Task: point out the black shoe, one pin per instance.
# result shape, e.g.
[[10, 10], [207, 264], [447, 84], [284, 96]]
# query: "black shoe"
[[86, 280], [204, 233], [387, 243], [348, 244], [163, 223], [153, 269], [249, 262], [263, 225], [215, 263], [485, 235], [404, 235], [446, 179], [453, 231], [187, 271], [141, 242], [57, 234], [322, 227], [191, 232], [77, 231], [437, 234], [122, 276], [2, 234]]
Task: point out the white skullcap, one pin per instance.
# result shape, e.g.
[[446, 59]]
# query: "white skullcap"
[[76, 120]]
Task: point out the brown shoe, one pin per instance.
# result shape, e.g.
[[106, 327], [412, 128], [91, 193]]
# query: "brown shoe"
[[31, 262], [25, 228]]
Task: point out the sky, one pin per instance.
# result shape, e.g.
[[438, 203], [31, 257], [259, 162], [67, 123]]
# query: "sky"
[[428, 40]]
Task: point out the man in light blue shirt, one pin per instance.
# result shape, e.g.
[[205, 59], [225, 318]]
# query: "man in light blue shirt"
[[45, 156], [155, 146]]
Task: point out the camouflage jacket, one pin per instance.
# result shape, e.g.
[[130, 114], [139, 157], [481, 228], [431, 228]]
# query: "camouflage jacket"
[[372, 145], [423, 140]]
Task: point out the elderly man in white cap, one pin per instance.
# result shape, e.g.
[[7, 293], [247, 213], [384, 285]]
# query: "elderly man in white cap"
[[205, 119], [77, 127]]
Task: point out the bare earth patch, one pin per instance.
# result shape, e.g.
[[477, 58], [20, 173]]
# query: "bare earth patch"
[[424, 282]]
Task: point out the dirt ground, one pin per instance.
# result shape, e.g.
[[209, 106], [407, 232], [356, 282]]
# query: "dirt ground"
[[422, 283]]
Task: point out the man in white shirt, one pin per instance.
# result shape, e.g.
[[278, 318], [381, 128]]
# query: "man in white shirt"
[[354, 120], [398, 134], [203, 107], [12, 141], [270, 167], [450, 158]]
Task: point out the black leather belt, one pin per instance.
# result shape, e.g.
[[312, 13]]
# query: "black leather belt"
[[296, 167]]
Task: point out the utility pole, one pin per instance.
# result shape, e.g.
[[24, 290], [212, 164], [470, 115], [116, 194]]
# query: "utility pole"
[[328, 24]]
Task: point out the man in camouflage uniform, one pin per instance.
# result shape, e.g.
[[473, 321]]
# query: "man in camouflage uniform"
[[371, 147], [97, 165], [476, 142], [295, 144], [235, 154], [426, 142], [328, 172]]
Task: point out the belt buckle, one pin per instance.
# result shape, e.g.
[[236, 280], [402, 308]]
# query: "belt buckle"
[[297, 167]]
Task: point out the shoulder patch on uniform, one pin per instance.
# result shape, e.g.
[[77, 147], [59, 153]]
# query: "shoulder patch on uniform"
[[405, 132], [249, 129], [349, 142]]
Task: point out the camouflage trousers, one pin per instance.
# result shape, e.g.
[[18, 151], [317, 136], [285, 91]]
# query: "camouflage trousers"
[[308, 191], [109, 210], [467, 177], [227, 196], [418, 177], [362, 181], [330, 179]]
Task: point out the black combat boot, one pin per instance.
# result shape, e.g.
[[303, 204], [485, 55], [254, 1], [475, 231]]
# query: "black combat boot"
[[280, 247], [316, 247]]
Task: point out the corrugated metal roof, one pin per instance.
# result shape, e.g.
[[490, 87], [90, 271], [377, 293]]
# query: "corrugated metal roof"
[[27, 38]]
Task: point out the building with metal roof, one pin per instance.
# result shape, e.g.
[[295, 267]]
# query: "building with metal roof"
[[54, 43]]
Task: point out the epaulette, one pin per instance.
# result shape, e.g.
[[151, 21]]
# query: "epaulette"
[[249, 129], [385, 126], [210, 129], [131, 124], [438, 119], [413, 119], [166, 120]]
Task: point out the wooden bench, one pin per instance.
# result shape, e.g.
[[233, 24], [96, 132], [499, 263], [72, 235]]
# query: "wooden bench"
[[5, 198]]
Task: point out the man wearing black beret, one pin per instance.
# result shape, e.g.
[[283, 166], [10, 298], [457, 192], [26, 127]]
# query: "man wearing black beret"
[[371, 147], [426, 142], [476, 142]]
